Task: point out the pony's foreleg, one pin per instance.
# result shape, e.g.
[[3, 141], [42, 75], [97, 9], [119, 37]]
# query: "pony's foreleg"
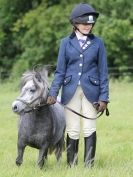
[[19, 158], [42, 156]]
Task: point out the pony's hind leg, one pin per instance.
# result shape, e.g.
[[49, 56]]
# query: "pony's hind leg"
[[19, 158], [59, 148]]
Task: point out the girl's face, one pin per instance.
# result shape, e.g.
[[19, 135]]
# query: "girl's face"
[[84, 28]]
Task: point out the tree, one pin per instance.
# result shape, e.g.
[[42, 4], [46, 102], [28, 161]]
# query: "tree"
[[30, 34], [44, 29], [10, 12]]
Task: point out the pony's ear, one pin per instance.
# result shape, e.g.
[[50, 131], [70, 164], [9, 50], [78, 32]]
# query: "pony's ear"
[[38, 77], [45, 73]]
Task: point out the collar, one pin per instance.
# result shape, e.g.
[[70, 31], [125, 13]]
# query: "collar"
[[79, 36]]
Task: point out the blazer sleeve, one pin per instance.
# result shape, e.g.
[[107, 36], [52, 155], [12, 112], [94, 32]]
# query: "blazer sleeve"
[[103, 73], [59, 72]]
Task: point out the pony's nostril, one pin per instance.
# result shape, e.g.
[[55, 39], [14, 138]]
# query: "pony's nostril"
[[15, 108]]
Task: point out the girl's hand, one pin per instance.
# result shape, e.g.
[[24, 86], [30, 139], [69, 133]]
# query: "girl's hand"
[[51, 100], [102, 106]]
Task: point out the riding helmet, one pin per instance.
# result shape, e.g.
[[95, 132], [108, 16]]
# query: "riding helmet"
[[83, 14]]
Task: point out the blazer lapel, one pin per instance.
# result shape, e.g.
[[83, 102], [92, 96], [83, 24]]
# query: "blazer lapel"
[[88, 43], [75, 43]]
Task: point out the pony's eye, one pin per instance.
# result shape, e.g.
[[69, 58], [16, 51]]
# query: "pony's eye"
[[32, 90]]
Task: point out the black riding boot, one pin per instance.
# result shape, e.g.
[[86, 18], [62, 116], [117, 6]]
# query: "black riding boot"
[[72, 151], [89, 151]]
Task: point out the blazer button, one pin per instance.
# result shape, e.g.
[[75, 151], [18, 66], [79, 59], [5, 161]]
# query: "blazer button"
[[88, 42], [80, 64], [81, 55], [79, 74]]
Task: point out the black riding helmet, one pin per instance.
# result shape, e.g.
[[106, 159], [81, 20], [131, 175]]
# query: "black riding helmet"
[[84, 14]]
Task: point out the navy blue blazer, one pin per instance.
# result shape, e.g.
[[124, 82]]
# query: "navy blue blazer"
[[87, 64]]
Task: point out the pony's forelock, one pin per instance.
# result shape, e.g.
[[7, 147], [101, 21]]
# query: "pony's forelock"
[[36, 76]]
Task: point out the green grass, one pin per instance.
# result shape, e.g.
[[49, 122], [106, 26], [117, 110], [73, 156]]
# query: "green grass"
[[114, 155]]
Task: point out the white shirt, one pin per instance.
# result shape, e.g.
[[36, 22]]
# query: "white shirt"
[[80, 36]]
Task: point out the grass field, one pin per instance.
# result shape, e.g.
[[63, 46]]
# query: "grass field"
[[114, 155]]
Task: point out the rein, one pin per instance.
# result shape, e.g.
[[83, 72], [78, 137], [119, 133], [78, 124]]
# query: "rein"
[[66, 107], [75, 112]]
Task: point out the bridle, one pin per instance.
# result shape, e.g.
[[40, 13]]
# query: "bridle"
[[29, 104]]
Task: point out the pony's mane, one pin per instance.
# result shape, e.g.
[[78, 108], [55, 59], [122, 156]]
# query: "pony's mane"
[[40, 75]]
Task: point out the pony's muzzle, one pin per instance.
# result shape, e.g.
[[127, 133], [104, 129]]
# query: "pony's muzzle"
[[16, 107]]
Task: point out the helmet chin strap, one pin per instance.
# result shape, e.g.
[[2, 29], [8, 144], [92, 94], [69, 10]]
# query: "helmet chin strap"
[[83, 33], [75, 28], [80, 31]]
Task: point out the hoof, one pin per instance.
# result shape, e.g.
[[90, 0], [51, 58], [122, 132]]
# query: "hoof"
[[18, 163], [41, 164]]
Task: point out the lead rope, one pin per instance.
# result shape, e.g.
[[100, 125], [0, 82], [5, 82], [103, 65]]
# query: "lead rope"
[[107, 112]]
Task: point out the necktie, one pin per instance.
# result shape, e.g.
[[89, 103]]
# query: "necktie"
[[81, 42]]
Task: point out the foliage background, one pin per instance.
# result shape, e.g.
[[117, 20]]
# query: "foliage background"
[[30, 31]]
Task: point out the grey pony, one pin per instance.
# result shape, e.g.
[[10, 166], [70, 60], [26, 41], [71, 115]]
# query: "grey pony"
[[41, 126]]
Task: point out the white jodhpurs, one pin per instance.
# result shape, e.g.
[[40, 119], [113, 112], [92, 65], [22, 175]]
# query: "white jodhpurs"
[[80, 104]]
